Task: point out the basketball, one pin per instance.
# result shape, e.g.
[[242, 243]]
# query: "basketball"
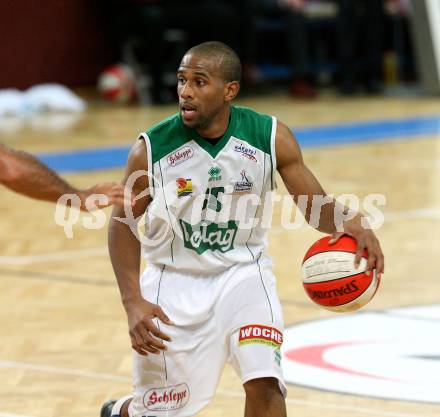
[[330, 278], [117, 83]]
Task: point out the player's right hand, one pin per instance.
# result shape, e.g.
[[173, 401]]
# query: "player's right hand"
[[145, 335]]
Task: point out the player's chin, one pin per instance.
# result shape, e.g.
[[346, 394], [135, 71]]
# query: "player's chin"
[[188, 123], [192, 123]]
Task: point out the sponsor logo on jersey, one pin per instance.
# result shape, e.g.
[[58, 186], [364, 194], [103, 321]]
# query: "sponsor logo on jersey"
[[167, 398], [214, 174], [244, 185], [255, 333], [246, 152], [209, 236], [184, 187], [181, 155]]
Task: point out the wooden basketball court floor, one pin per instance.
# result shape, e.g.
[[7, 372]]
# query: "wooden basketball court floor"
[[64, 347]]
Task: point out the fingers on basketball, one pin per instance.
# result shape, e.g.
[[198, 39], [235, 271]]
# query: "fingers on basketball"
[[331, 278]]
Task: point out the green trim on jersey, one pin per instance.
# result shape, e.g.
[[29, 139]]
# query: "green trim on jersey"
[[254, 128], [166, 136], [245, 124]]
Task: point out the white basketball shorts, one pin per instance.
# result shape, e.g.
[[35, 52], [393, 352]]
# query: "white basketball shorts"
[[231, 317]]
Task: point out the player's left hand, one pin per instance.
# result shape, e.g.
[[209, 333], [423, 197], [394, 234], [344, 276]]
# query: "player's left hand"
[[365, 239], [113, 192]]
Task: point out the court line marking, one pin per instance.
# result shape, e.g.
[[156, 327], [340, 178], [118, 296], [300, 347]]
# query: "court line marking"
[[432, 213], [55, 277], [63, 371], [226, 392], [317, 404], [12, 415], [54, 256]]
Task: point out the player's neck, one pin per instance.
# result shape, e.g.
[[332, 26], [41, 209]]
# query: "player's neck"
[[218, 126]]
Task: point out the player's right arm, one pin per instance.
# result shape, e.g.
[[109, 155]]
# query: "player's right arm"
[[125, 250]]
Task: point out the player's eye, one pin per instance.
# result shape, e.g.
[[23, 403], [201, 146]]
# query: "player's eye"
[[200, 82], [181, 80]]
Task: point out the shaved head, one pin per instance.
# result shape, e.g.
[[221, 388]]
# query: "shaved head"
[[229, 63]]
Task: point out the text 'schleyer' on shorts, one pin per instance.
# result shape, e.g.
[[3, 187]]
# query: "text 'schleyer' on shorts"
[[234, 316]]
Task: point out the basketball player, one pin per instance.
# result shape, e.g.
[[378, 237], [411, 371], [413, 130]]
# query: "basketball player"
[[26, 175], [208, 294]]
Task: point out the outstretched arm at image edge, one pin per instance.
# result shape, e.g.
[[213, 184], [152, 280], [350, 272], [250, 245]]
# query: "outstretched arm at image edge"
[[25, 174]]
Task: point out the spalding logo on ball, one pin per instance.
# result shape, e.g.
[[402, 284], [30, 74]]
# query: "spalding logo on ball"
[[330, 278]]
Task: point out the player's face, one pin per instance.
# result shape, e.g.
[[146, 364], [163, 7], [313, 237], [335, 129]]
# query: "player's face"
[[203, 93]]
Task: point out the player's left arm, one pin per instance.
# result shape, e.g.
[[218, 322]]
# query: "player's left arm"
[[300, 181], [25, 174]]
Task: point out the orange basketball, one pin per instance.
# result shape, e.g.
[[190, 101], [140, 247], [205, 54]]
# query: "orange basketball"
[[330, 278]]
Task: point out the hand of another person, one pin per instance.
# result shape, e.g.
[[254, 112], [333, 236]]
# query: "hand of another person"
[[114, 193], [146, 337]]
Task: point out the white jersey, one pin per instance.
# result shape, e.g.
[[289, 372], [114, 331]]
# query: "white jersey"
[[211, 203]]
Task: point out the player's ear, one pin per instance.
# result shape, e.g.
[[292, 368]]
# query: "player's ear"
[[231, 90]]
